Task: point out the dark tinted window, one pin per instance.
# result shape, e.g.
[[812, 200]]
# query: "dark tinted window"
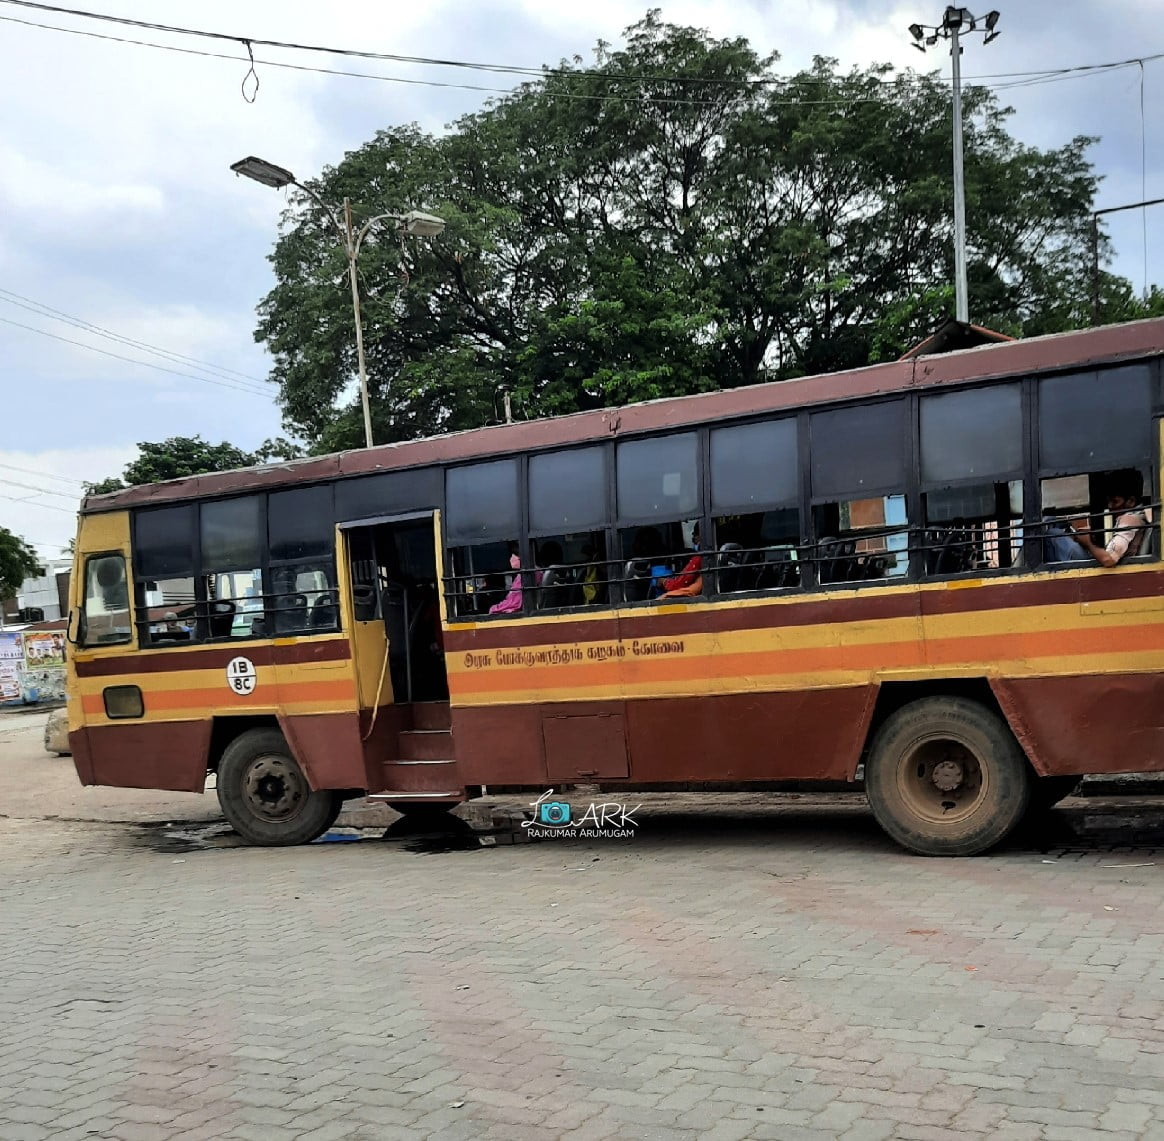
[[300, 523], [482, 501], [567, 490], [753, 464], [164, 542], [657, 479], [233, 533], [389, 493], [971, 434], [1093, 420], [858, 450]]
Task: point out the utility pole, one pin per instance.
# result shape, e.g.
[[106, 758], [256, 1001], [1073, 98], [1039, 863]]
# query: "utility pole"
[[957, 22], [1095, 298]]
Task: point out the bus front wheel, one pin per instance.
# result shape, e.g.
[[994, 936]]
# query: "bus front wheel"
[[265, 796], [946, 777]]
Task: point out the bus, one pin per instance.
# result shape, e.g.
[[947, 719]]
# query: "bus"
[[851, 575]]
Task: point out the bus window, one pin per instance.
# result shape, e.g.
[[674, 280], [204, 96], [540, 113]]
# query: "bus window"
[[484, 577], [303, 598], [658, 492], [971, 446], [757, 551], [483, 518], [1092, 425], [163, 556], [567, 507], [755, 489], [233, 533], [858, 486], [573, 570], [106, 601], [656, 555]]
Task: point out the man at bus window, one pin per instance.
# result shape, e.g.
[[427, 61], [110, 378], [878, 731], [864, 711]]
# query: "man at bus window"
[[1124, 491]]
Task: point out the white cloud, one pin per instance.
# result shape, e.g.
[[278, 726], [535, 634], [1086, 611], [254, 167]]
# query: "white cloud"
[[41, 486], [119, 205]]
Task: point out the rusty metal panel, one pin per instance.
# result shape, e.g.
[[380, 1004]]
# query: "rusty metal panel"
[[585, 747]]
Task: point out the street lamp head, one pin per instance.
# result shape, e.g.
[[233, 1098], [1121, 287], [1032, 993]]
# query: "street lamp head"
[[991, 20], [954, 18], [421, 225], [917, 31], [262, 171]]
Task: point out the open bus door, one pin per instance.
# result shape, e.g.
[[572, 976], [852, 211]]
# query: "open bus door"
[[396, 633]]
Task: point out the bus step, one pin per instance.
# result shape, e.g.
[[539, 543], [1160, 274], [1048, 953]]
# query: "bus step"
[[425, 745], [431, 715]]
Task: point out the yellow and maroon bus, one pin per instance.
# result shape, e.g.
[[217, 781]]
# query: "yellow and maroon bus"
[[788, 582]]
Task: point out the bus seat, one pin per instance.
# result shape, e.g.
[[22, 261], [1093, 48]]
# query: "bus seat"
[[291, 613], [637, 580], [778, 570], [324, 613], [731, 576], [556, 589], [221, 619]]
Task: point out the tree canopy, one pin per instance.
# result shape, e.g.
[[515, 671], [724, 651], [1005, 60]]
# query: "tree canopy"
[[189, 455], [670, 217], [18, 561]]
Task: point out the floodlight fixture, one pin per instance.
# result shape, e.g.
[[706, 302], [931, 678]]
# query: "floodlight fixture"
[[262, 171], [991, 20], [917, 31]]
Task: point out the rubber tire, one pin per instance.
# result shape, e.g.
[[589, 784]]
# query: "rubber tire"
[[1046, 792], [998, 753], [319, 811]]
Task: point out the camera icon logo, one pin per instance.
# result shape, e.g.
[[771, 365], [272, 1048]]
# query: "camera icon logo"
[[554, 813]]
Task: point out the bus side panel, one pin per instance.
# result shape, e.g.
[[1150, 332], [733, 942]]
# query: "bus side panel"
[[161, 754], [814, 734], [790, 735], [1087, 724], [327, 747]]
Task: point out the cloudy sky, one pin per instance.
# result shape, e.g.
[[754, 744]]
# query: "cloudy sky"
[[117, 208]]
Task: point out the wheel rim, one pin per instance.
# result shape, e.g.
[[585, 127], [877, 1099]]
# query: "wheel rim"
[[942, 780], [274, 788]]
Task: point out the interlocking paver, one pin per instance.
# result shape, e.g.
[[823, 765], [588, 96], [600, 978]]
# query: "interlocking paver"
[[773, 976]]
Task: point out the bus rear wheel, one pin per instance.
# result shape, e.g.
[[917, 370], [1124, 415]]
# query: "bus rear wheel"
[[946, 777], [265, 796]]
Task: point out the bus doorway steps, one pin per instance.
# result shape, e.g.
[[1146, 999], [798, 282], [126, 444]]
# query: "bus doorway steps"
[[430, 715]]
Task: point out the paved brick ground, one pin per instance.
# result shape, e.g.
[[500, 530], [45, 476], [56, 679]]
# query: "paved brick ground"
[[782, 973]]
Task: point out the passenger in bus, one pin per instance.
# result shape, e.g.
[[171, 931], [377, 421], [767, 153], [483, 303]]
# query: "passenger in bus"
[[511, 603], [1125, 490], [593, 588], [689, 581]]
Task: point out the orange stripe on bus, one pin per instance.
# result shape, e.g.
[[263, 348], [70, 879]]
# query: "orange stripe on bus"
[[220, 699], [869, 656]]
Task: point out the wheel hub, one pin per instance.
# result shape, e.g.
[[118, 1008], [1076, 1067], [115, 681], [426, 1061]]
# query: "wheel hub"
[[274, 788], [947, 775]]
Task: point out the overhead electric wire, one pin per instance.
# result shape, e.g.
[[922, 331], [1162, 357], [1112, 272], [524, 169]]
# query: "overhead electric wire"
[[28, 503], [38, 490], [43, 474], [1033, 77], [536, 72], [43, 310], [131, 360]]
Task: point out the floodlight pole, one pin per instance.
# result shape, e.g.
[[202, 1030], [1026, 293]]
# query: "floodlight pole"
[[961, 290], [955, 22]]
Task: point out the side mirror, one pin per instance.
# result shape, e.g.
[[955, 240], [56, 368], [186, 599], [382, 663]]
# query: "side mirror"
[[79, 615]]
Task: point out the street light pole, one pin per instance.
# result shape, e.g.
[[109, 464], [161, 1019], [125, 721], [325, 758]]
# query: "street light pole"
[[353, 249], [961, 287], [956, 22], [414, 222]]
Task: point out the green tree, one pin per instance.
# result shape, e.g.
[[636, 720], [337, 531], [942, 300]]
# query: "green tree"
[[668, 218], [18, 561], [181, 456]]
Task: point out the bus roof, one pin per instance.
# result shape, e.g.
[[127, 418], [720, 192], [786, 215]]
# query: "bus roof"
[[1106, 345]]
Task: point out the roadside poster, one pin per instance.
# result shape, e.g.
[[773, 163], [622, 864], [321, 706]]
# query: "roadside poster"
[[43, 649], [11, 665]]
